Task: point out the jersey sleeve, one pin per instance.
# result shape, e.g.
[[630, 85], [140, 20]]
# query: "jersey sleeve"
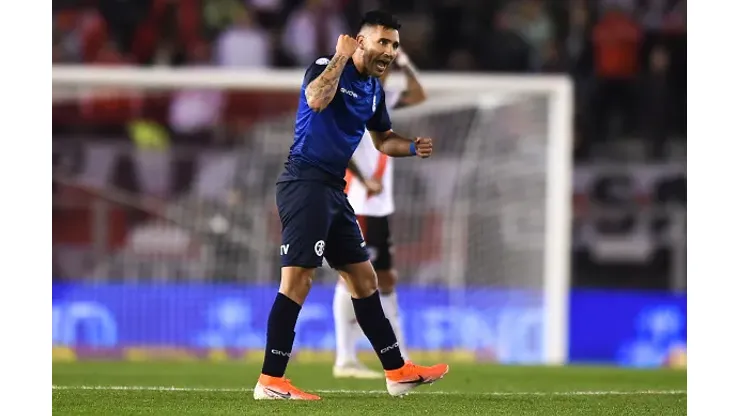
[[316, 68], [380, 121]]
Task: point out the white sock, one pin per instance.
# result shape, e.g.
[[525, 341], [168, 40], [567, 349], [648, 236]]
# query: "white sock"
[[390, 307], [344, 326]]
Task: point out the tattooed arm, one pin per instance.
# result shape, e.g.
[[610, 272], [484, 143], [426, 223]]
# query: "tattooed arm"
[[321, 90]]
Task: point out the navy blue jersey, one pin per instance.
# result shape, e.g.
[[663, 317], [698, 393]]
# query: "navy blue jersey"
[[325, 140]]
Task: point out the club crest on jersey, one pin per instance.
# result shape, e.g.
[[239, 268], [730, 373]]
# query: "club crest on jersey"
[[322, 61], [318, 248]]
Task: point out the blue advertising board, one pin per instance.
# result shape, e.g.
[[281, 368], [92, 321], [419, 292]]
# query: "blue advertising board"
[[506, 322], [636, 329], [632, 329]]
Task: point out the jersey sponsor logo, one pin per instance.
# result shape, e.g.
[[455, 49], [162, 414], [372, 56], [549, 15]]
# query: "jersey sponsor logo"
[[284, 249], [322, 61], [318, 248], [350, 93]]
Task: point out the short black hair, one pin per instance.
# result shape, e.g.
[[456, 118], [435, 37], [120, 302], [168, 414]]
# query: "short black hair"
[[379, 18]]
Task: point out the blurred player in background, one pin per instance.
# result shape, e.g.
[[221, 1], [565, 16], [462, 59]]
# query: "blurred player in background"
[[369, 189], [341, 97]]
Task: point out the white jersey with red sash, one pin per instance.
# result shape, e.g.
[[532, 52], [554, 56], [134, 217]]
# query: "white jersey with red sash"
[[372, 164]]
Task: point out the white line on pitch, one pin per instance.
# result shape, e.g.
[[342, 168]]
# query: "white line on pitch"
[[444, 393]]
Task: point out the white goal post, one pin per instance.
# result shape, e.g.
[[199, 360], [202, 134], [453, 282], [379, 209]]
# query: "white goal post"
[[481, 187]]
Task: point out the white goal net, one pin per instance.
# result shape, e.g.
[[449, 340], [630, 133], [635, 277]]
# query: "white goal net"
[[481, 230]]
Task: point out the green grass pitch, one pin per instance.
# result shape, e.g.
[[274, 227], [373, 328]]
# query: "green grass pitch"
[[208, 388]]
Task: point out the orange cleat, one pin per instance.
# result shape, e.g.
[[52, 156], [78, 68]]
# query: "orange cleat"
[[279, 388], [410, 376]]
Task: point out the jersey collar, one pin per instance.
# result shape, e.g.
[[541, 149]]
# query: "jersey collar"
[[357, 72]]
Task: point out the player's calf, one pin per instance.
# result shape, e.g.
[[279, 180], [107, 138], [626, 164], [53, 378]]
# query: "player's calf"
[[295, 283], [389, 299], [362, 284], [347, 333]]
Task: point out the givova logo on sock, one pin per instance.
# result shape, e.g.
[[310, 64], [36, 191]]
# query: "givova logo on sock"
[[283, 353], [388, 348]]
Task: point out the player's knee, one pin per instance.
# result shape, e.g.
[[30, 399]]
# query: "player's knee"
[[387, 280], [365, 286], [295, 283], [361, 280]]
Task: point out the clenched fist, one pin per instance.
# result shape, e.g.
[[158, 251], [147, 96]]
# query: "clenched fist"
[[423, 147], [346, 45]]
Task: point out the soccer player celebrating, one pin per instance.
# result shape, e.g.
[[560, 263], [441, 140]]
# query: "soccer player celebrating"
[[341, 96], [370, 192]]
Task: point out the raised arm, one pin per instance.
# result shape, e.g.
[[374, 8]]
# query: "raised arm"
[[321, 90], [414, 93]]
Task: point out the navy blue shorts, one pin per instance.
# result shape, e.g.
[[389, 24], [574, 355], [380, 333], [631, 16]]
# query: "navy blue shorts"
[[318, 222]]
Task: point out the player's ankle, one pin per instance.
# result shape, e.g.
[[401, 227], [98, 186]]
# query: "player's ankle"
[[394, 371], [266, 378], [280, 335]]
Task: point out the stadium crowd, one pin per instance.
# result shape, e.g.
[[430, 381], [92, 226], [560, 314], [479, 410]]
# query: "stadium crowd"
[[627, 57]]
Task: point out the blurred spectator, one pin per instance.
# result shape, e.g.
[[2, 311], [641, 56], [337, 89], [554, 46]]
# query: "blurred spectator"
[[577, 56], [577, 39], [417, 36], [448, 22], [655, 101], [267, 11], [312, 30], [66, 37], [244, 44], [108, 54], [675, 19], [127, 19], [617, 39], [552, 59], [652, 13], [218, 15], [533, 24], [195, 113], [138, 27], [601, 43], [266, 6], [501, 48], [461, 60], [107, 106]]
